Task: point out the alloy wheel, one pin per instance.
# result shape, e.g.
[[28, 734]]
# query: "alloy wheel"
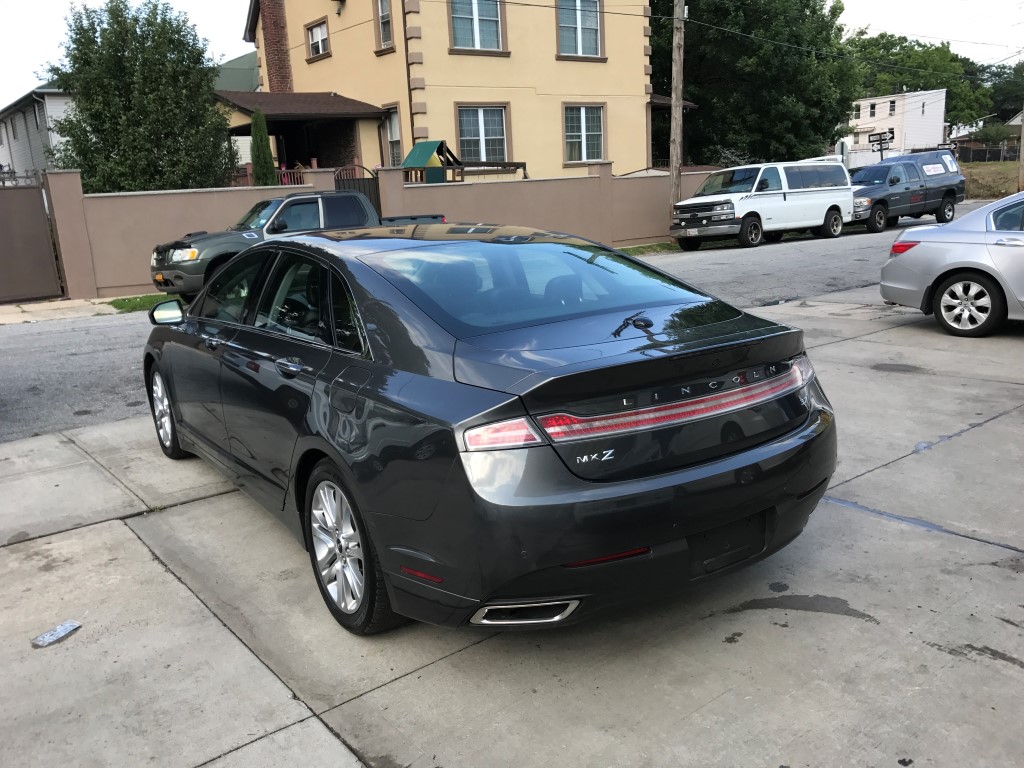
[[754, 232], [880, 219], [162, 410], [337, 546], [836, 225], [966, 305]]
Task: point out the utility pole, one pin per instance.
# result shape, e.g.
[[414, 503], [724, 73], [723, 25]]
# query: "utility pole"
[[1020, 156], [675, 145]]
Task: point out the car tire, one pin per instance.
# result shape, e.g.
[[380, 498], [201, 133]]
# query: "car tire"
[[773, 237], [341, 553], [878, 219], [689, 243], [969, 304], [161, 405], [751, 234], [832, 226], [946, 211]]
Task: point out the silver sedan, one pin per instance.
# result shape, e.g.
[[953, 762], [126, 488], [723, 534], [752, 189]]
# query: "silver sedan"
[[968, 273]]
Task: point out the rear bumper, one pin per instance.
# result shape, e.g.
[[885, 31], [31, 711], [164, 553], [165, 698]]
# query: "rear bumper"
[[902, 285], [519, 517], [175, 280]]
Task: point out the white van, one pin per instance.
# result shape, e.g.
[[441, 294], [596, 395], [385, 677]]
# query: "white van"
[[761, 202]]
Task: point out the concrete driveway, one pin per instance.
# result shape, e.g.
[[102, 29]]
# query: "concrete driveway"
[[890, 634]]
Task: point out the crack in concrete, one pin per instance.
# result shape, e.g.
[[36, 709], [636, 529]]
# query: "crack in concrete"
[[917, 522], [924, 445]]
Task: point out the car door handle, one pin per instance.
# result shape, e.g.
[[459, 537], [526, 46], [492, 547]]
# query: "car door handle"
[[1013, 242], [289, 366], [211, 342]]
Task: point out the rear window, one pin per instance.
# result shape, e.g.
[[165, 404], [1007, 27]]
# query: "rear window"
[[475, 288]]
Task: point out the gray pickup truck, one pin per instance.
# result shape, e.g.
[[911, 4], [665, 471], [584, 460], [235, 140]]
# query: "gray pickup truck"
[[184, 265]]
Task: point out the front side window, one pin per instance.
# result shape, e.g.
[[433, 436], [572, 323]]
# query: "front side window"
[[482, 134], [384, 23], [319, 44], [476, 24], [298, 216], [579, 31], [293, 301], [229, 290], [584, 134], [394, 139], [897, 174], [258, 216], [770, 181]]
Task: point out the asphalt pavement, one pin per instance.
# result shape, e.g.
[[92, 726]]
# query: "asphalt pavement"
[[64, 374]]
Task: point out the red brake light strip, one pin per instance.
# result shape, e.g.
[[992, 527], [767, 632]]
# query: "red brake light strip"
[[565, 427]]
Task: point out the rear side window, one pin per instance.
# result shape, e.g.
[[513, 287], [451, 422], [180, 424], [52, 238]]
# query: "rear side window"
[[795, 177], [230, 288], [815, 176], [911, 171], [475, 288], [343, 212], [1009, 219], [347, 334]]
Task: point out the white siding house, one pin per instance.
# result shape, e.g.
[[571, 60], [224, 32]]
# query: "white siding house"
[[26, 130], [917, 120]]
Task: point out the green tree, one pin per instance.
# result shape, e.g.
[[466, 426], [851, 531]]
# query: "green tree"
[[757, 100], [995, 133], [262, 161], [893, 64], [1007, 89], [144, 114]]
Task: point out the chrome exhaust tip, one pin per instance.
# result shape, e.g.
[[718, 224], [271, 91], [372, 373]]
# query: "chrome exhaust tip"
[[524, 614]]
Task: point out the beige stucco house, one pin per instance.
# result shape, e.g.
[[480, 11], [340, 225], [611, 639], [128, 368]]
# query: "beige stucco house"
[[557, 86]]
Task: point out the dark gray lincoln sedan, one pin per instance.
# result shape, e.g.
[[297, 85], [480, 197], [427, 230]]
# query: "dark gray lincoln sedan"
[[492, 426]]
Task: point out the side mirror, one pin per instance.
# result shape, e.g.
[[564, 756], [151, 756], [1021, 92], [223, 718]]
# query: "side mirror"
[[894, 180], [278, 225], [167, 313], [762, 185]]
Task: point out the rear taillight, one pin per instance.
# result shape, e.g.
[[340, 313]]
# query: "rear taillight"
[[566, 427], [901, 246], [514, 433]]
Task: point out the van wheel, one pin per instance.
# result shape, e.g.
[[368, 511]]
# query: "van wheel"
[[832, 226], [751, 233], [773, 237], [946, 211], [878, 219], [689, 243]]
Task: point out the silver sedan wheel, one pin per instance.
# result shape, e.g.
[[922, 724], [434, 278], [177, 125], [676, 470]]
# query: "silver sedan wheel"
[[162, 409], [338, 548], [965, 305]]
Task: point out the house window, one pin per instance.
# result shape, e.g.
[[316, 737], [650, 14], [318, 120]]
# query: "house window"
[[871, 110], [856, 138], [384, 23], [482, 134], [584, 134], [319, 43], [14, 127], [892, 107], [922, 107], [476, 24], [393, 136], [856, 111], [579, 32], [3, 129]]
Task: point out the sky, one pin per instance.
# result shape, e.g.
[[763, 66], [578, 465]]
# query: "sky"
[[984, 30]]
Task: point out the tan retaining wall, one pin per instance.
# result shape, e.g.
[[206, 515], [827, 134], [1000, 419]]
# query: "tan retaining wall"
[[105, 241], [617, 211]]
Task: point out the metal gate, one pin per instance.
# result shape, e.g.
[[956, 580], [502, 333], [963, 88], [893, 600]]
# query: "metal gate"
[[28, 266], [360, 179]]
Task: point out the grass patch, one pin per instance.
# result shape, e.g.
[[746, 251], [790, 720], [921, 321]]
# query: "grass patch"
[[646, 250], [990, 181], [138, 303]]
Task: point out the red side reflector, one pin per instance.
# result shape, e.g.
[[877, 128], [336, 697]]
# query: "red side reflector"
[[610, 558], [901, 246], [420, 574]]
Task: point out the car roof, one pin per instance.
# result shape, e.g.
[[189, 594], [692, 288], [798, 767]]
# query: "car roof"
[[393, 238]]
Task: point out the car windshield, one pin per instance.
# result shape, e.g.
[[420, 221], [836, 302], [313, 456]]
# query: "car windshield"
[[258, 216], [472, 288], [726, 182], [873, 174]]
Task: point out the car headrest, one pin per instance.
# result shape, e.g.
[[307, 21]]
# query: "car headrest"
[[457, 278], [564, 290]]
